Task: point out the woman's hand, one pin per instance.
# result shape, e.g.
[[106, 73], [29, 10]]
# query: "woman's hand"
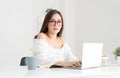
[[69, 64], [72, 64]]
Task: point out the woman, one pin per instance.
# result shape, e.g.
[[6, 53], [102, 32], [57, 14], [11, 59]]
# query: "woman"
[[50, 47]]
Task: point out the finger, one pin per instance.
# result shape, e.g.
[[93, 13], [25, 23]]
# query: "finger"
[[76, 64], [80, 62]]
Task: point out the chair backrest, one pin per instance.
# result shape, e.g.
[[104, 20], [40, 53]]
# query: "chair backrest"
[[23, 61]]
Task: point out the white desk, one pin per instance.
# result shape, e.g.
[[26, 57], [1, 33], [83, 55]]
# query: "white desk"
[[21, 72]]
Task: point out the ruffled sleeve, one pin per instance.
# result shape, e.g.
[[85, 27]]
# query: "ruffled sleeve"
[[69, 56], [42, 53]]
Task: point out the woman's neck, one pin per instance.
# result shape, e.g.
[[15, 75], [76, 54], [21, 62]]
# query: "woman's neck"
[[52, 36]]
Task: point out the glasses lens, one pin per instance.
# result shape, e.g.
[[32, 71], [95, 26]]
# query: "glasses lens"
[[59, 22]]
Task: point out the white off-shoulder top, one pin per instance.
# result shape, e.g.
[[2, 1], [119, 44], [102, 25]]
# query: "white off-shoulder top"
[[48, 55]]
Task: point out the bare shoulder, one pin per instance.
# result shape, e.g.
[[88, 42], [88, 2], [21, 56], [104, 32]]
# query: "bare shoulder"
[[41, 36]]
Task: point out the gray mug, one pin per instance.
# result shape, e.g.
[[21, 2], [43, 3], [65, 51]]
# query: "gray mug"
[[31, 62]]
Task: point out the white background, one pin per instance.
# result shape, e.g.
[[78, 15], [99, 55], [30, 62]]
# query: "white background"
[[85, 21]]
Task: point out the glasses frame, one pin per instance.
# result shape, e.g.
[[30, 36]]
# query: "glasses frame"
[[59, 23]]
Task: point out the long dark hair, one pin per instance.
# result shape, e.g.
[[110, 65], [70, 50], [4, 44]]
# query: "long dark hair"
[[48, 16]]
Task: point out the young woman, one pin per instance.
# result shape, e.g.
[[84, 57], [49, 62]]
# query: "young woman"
[[50, 47]]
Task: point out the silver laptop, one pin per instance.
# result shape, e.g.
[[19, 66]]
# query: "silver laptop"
[[91, 55]]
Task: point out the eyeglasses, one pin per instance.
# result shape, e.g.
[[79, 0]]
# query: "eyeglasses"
[[59, 23]]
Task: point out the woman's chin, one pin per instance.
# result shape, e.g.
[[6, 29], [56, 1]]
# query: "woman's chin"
[[56, 31]]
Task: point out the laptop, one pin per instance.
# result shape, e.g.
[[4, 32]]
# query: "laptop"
[[91, 55]]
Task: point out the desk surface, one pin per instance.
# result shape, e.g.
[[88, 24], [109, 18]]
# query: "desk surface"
[[22, 72]]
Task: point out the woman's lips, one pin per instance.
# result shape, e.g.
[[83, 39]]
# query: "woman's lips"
[[55, 28]]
